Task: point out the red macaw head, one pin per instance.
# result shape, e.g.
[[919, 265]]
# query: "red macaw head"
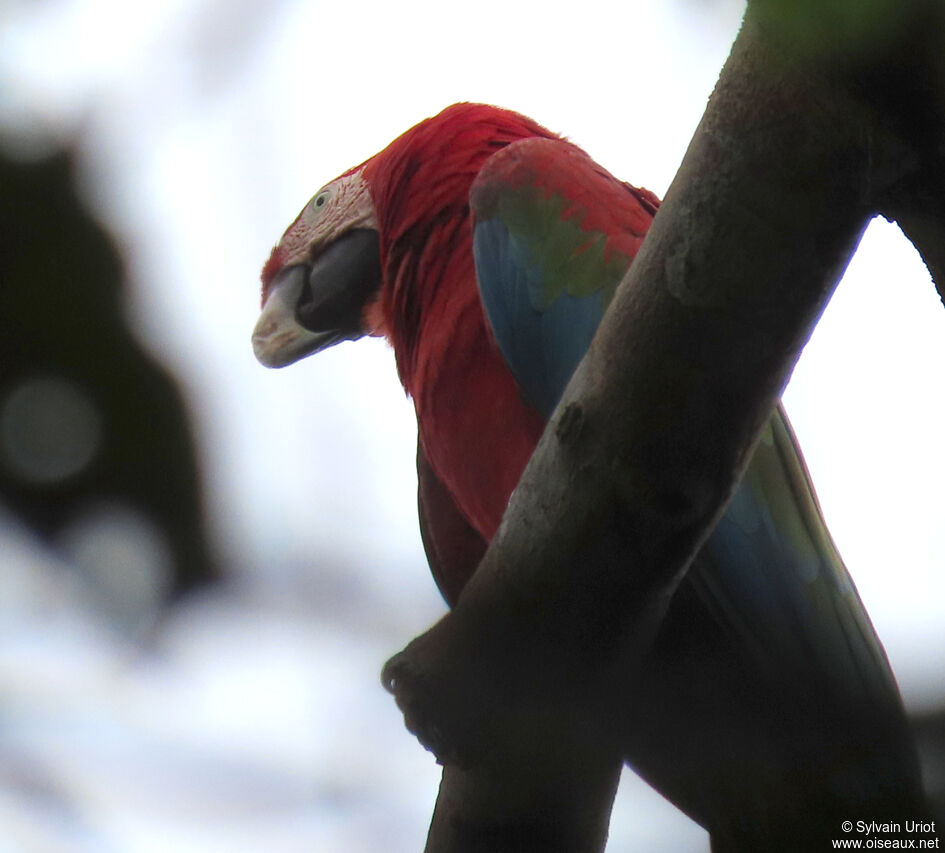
[[322, 281]]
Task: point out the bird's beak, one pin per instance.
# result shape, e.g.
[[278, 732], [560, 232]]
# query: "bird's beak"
[[279, 339], [311, 307]]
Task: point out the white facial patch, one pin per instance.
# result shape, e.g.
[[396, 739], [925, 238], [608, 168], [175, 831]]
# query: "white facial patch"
[[340, 206]]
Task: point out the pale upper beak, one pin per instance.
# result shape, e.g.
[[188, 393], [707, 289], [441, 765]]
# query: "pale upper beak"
[[279, 339]]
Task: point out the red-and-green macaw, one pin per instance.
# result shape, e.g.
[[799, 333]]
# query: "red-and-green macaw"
[[486, 249]]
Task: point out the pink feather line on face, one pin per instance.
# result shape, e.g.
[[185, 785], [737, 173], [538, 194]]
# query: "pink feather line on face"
[[347, 206]]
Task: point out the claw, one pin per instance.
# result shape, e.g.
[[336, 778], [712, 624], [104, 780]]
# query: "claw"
[[394, 670]]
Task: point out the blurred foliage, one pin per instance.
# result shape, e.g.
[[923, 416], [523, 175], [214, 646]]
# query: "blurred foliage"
[[96, 453], [929, 728], [841, 26]]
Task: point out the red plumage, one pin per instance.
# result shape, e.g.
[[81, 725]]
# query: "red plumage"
[[475, 430]]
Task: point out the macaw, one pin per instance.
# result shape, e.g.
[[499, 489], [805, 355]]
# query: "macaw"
[[486, 249]]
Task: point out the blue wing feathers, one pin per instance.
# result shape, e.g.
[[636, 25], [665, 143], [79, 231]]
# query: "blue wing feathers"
[[780, 586], [542, 344]]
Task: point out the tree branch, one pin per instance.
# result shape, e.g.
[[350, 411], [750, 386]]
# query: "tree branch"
[[519, 690]]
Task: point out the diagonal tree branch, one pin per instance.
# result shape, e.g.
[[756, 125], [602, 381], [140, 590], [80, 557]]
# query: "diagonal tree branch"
[[519, 690]]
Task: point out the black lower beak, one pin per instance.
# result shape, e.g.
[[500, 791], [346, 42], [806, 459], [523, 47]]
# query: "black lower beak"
[[341, 282]]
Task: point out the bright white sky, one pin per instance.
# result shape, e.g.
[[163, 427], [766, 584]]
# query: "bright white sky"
[[205, 126]]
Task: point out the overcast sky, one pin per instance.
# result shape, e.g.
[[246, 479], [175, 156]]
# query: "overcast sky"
[[204, 127]]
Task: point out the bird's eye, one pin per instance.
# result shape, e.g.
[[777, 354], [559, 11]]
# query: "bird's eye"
[[321, 199]]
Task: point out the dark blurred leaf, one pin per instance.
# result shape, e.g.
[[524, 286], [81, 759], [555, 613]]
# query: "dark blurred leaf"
[[95, 447]]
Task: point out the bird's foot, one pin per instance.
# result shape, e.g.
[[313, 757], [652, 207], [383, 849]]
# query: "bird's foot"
[[483, 689]]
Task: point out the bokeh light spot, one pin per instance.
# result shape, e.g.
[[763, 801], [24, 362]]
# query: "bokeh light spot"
[[50, 430], [124, 557]]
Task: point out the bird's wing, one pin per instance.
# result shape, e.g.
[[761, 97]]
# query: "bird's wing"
[[553, 235], [775, 579]]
